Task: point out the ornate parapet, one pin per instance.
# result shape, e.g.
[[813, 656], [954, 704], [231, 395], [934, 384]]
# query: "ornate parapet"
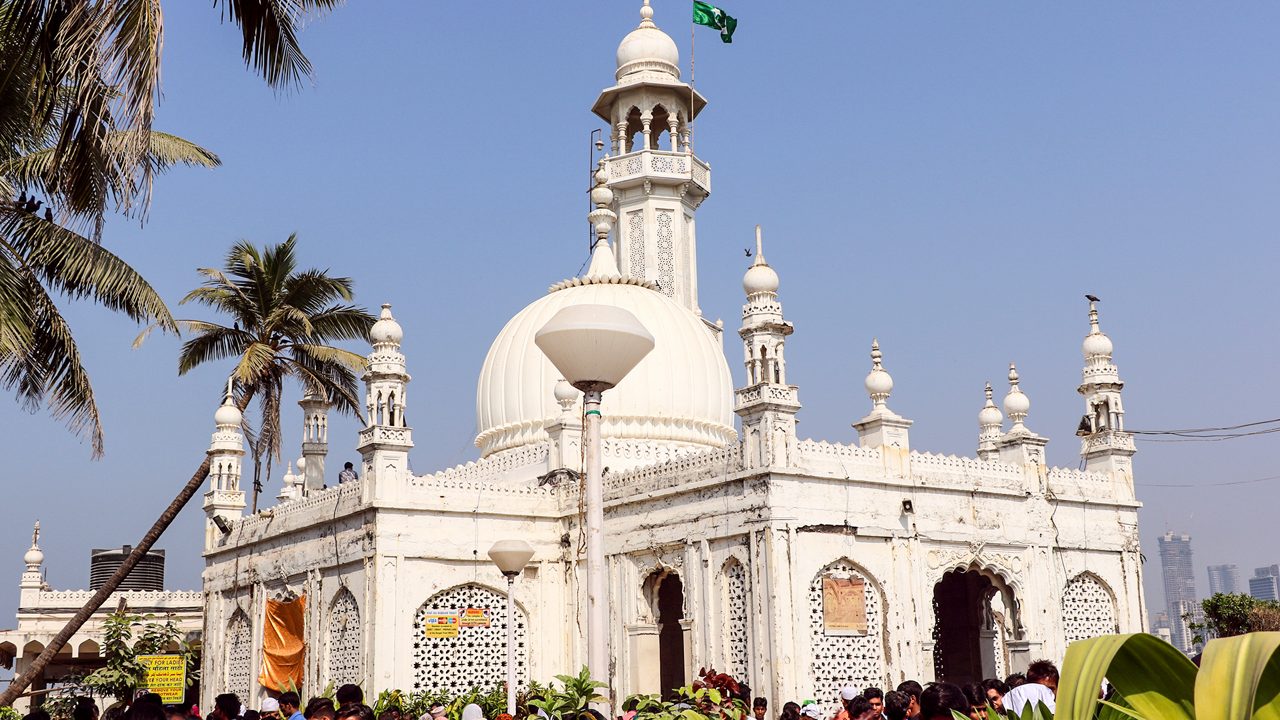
[[659, 164], [1071, 484], [385, 435], [508, 464], [840, 460], [966, 473]]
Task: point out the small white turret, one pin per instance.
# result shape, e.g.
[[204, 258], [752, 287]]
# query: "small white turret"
[[1104, 444], [224, 499], [1020, 446], [33, 577], [882, 427], [767, 404], [990, 427], [385, 441]]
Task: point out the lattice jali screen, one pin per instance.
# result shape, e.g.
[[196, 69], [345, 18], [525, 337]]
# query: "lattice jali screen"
[[635, 239], [239, 655], [666, 253], [1088, 609], [346, 641], [478, 655], [737, 651], [840, 660]]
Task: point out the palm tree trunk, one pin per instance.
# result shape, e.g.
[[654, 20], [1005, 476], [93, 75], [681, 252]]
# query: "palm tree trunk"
[[23, 681]]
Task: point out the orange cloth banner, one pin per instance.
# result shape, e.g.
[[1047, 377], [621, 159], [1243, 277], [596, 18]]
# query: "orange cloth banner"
[[283, 647]]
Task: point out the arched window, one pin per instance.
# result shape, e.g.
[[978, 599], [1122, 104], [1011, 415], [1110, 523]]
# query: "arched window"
[[346, 641], [476, 655], [737, 628], [1088, 609], [844, 657], [239, 655]]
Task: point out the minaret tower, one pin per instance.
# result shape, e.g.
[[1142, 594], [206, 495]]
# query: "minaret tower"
[[1104, 445], [385, 442], [767, 405], [315, 438], [224, 498], [657, 181]]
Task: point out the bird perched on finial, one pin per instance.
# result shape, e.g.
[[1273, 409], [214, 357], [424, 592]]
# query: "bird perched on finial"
[[1091, 298]]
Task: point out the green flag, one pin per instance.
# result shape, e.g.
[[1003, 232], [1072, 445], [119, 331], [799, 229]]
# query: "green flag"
[[714, 17]]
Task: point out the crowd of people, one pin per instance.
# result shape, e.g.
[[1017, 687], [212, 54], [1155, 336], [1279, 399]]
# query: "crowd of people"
[[937, 701], [910, 701]]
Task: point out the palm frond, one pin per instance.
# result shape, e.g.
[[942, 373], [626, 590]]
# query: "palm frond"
[[269, 29], [80, 268]]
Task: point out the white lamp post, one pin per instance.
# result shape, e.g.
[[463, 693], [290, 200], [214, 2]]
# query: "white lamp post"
[[594, 347], [511, 556]]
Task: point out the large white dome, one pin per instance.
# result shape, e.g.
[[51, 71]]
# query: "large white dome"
[[680, 393]]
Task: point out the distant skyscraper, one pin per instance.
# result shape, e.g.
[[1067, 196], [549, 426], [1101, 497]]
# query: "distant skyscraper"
[[1179, 585], [1265, 583], [1224, 579]]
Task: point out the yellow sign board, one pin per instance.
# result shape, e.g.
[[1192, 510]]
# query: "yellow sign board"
[[475, 617], [166, 676], [440, 625]]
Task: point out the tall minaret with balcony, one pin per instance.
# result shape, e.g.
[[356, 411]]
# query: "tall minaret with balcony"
[[315, 438], [1104, 445], [385, 443], [657, 181], [767, 404], [224, 501]]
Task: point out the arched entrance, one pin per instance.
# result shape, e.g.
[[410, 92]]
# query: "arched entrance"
[[969, 633], [671, 649]]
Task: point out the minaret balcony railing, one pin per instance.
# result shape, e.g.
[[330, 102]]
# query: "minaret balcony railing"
[[634, 167]]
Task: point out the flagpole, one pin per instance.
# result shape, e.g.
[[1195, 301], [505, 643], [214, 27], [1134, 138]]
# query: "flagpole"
[[693, 38]]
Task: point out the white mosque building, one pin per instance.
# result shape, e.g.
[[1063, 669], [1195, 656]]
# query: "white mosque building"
[[797, 565]]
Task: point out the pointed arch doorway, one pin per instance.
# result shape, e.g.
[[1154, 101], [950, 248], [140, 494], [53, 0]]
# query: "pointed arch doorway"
[[972, 609], [671, 633]]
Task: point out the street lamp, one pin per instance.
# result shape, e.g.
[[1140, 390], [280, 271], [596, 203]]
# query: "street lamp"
[[511, 556], [594, 347]]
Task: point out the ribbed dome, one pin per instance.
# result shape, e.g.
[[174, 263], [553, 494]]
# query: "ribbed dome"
[[680, 392]]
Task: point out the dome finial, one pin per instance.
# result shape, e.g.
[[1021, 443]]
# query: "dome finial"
[[646, 15], [227, 415], [34, 557], [1016, 403], [760, 278], [601, 217], [386, 332], [879, 383]]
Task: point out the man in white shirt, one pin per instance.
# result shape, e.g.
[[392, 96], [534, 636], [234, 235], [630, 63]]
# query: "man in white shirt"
[[1041, 687]]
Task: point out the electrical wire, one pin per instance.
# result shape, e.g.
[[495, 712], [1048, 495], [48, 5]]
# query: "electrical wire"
[[1210, 434], [1209, 485]]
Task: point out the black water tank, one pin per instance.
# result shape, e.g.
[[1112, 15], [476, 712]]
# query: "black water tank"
[[148, 574]]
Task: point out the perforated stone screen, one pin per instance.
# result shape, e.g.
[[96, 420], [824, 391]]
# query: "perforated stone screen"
[[1088, 609], [239, 655], [477, 657], [736, 637], [840, 660], [346, 641]]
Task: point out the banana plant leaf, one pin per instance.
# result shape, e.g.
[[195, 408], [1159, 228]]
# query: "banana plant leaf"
[[1240, 678], [1156, 680]]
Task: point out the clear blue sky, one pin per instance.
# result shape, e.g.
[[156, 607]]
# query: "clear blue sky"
[[949, 177]]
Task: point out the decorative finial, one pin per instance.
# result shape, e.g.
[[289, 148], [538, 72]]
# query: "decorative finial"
[[646, 15], [1093, 312], [988, 393], [879, 383], [230, 390], [760, 247], [1016, 403], [602, 217], [35, 535]]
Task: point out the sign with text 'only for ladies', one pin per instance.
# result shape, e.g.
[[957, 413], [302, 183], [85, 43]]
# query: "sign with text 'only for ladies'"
[[166, 676]]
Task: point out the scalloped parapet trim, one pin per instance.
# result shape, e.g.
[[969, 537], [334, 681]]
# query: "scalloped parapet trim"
[[77, 598], [480, 473], [295, 506], [631, 427], [615, 280]]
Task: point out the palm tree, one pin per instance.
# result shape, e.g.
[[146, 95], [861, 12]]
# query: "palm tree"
[[283, 320], [89, 68]]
